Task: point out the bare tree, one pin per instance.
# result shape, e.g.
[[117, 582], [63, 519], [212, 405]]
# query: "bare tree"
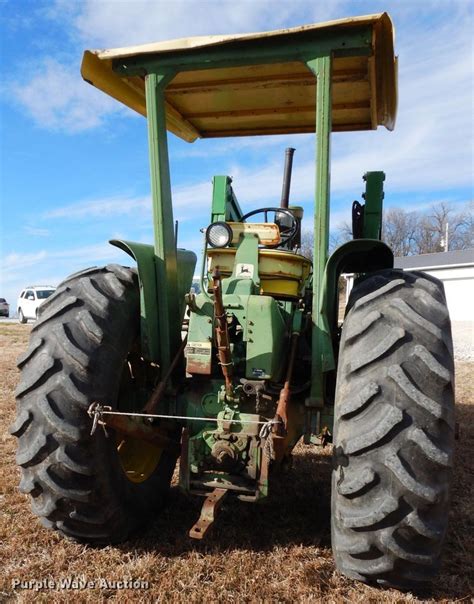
[[463, 237], [307, 240], [409, 233], [427, 238], [443, 229], [439, 229], [460, 227], [336, 238], [399, 230], [345, 230]]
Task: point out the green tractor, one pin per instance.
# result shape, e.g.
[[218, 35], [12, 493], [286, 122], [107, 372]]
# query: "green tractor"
[[129, 369]]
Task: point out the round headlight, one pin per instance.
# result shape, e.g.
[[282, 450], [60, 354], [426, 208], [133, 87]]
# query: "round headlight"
[[219, 234]]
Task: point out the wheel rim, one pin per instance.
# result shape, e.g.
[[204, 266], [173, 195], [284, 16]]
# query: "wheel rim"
[[138, 458]]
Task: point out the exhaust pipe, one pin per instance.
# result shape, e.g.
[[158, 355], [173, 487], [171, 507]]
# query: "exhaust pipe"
[[285, 191]]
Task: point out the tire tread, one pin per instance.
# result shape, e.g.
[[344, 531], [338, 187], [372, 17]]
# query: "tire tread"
[[393, 430]]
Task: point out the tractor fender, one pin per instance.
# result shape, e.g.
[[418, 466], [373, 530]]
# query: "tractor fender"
[[145, 257], [355, 256]]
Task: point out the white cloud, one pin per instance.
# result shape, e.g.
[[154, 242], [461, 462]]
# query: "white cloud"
[[432, 145], [36, 231], [16, 261], [431, 149], [191, 200], [45, 266], [53, 92], [57, 98], [214, 147], [102, 208], [111, 24], [188, 201], [435, 73]]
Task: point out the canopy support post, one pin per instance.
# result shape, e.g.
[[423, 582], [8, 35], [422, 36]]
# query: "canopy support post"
[[163, 224], [322, 355]]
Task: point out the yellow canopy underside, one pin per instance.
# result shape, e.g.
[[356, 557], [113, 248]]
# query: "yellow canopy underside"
[[276, 98]]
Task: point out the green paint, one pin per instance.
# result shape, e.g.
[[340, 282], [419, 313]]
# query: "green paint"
[[196, 402], [245, 279], [265, 324], [373, 204], [322, 354], [266, 335], [356, 256], [298, 47], [165, 245], [200, 324], [225, 206], [186, 267], [144, 256], [242, 439]]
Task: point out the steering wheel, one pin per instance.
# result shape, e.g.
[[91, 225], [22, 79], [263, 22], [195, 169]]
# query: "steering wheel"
[[287, 233]]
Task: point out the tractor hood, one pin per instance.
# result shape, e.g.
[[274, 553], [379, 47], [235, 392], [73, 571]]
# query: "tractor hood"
[[273, 97]]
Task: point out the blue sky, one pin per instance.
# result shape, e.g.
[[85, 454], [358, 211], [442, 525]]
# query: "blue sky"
[[74, 164]]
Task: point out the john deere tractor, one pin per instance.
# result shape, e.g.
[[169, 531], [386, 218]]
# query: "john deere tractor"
[[128, 369]]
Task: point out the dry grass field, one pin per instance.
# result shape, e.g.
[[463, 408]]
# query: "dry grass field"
[[276, 552]]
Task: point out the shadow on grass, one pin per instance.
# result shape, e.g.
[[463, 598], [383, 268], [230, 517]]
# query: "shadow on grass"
[[456, 578], [296, 512]]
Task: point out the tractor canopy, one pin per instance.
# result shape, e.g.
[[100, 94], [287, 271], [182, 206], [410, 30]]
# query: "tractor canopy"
[[214, 94]]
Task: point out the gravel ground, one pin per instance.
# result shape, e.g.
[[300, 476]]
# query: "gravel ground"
[[463, 337]]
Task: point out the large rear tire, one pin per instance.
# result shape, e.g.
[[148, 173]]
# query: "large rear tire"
[[79, 353], [393, 431]]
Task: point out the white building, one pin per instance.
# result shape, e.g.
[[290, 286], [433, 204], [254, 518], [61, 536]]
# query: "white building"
[[456, 271]]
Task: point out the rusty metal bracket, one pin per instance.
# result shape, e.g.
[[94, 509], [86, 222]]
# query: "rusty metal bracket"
[[155, 398], [222, 334], [209, 512]]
